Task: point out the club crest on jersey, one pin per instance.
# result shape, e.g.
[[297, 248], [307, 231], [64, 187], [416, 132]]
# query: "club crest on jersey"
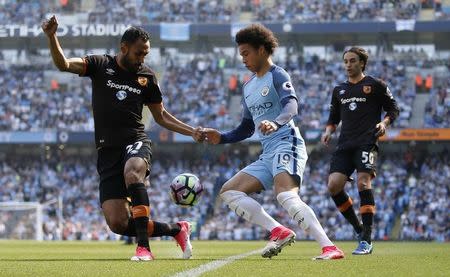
[[121, 94], [142, 81], [352, 106], [265, 91], [367, 89]]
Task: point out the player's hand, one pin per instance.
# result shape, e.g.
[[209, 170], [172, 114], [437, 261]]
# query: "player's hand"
[[50, 26], [198, 134], [267, 127], [326, 137], [381, 129], [212, 136]]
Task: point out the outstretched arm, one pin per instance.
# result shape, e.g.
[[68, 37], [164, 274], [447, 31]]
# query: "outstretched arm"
[[73, 65], [170, 122], [243, 131]]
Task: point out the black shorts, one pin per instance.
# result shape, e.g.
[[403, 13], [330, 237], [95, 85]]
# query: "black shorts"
[[362, 158], [110, 166]]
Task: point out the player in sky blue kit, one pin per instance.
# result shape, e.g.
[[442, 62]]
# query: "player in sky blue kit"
[[270, 103]]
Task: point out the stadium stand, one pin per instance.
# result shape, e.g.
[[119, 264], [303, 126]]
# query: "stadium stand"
[[219, 11], [401, 191], [202, 83]]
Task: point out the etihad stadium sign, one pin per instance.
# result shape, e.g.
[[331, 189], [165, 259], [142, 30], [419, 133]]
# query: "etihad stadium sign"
[[76, 30]]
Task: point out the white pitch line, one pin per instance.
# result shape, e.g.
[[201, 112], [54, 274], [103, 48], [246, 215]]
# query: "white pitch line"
[[214, 265]]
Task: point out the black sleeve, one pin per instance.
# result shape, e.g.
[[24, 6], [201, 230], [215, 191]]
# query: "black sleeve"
[[153, 93], [388, 102], [91, 64], [335, 113]]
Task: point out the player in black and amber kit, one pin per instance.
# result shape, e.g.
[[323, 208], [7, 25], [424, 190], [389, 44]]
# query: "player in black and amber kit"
[[121, 86], [358, 103]]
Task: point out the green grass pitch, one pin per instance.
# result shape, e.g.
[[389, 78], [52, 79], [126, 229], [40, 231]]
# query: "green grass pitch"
[[29, 258]]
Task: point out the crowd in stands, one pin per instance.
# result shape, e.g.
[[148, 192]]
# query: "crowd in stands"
[[218, 11], [425, 216], [437, 110], [196, 92], [199, 90], [341, 11], [30, 104], [76, 181], [315, 79], [411, 189]]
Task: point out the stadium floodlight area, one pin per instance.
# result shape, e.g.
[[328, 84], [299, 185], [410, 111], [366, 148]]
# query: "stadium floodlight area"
[[21, 220]]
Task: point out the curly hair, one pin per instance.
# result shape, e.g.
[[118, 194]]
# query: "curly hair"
[[257, 35], [361, 53]]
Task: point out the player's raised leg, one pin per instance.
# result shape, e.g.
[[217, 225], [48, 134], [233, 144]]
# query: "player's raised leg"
[[180, 231], [235, 194], [286, 189]]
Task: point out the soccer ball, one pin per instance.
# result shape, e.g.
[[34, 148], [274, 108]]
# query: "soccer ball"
[[185, 190]]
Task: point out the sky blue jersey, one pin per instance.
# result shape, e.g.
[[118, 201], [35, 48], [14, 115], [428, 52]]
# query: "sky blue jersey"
[[262, 100]]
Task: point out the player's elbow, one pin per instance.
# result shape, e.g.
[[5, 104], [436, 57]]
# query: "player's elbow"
[[63, 67], [159, 119]]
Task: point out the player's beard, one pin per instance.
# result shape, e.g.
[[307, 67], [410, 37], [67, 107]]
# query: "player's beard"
[[129, 65]]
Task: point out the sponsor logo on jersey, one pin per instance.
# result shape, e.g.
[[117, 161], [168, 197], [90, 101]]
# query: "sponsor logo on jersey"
[[111, 84], [287, 86], [353, 99], [342, 91], [121, 94], [142, 81], [352, 106], [259, 109], [110, 71], [367, 89], [265, 91]]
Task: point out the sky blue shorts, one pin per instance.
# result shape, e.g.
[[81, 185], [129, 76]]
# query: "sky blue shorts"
[[286, 155]]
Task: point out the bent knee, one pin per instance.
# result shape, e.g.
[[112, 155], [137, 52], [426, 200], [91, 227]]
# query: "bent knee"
[[333, 189], [224, 189], [336, 182], [364, 185], [334, 186], [133, 177], [118, 226]]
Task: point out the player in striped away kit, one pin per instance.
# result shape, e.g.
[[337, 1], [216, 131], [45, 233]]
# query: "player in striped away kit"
[[270, 103], [358, 103]]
